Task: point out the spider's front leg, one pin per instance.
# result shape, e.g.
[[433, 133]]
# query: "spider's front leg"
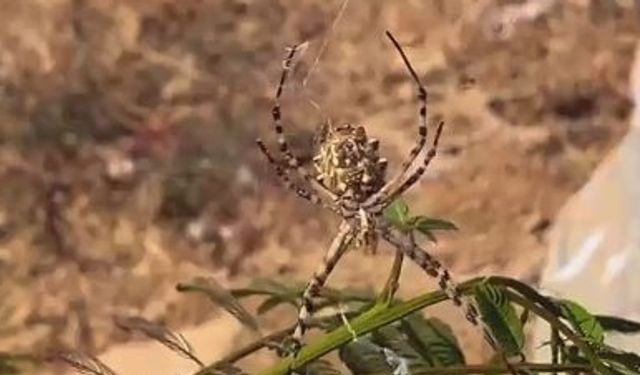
[[309, 194], [338, 247], [382, 199], [292, 161], [422, 125]]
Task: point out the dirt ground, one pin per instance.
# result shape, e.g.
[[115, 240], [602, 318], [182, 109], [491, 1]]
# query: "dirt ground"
[[127, 157]]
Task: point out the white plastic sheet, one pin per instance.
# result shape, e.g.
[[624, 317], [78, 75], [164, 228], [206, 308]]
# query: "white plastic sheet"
[[594, 254]]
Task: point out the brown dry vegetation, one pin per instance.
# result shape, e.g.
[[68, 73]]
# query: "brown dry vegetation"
[[127, 160]]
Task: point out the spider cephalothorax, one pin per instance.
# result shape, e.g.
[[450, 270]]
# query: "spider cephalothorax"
[[349, 180], [347, 161]]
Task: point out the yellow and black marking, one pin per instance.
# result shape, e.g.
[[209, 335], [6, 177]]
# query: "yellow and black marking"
[[348, 163]]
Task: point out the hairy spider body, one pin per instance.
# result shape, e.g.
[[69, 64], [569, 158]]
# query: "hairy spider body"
[[349, 179], [349, 165], [347, 162]]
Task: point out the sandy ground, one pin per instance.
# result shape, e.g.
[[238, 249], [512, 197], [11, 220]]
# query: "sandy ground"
[[127, 160]]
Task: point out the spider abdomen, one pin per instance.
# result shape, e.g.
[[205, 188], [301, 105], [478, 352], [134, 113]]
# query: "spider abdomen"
[[347, 161]]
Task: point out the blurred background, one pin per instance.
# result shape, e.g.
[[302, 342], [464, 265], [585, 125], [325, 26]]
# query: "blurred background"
[[127, 157]]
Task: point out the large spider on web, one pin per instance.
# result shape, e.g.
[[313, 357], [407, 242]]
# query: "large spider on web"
[[349, 179]]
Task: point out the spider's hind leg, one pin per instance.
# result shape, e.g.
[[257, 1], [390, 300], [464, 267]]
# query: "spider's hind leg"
[[338, 247], [432, 267]]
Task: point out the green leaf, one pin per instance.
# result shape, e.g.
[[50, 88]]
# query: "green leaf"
[[220, 296], [269, 304], [433, 340], [620, 359], [428, 224], [364, 357], [398, 215], [501, 318], [620, 362], [527, 292], [619, 325], [392, 338], [582, 321]]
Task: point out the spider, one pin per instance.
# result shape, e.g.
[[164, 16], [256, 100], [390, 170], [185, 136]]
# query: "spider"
[[349, 179]]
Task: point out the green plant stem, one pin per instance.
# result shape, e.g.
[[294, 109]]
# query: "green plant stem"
[[561, 327], [369, 321], [330, 294], [391, 285]]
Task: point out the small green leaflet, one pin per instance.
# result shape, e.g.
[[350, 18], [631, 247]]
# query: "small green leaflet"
[[363, 357], [618, 325], [395, 339], [426, 226], [421, 343], [398, 215], [582, 321], [501, 318], [433, 340], [625, 362]]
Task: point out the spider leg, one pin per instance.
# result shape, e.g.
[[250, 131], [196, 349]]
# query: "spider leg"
[[415, 176], [276, 112], [308, 194], [338, 247], [432, 267], [293, 162], [422, 125], [422, 99], [384, 200]]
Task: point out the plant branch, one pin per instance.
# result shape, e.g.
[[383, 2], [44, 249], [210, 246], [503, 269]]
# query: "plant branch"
[[561, 327], [376, 317], [261, 343], [382, 314], [391, 285], [489, 369]]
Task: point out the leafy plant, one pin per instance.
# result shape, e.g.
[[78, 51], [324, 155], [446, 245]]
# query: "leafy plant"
[[380, 334], [499, 313]]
